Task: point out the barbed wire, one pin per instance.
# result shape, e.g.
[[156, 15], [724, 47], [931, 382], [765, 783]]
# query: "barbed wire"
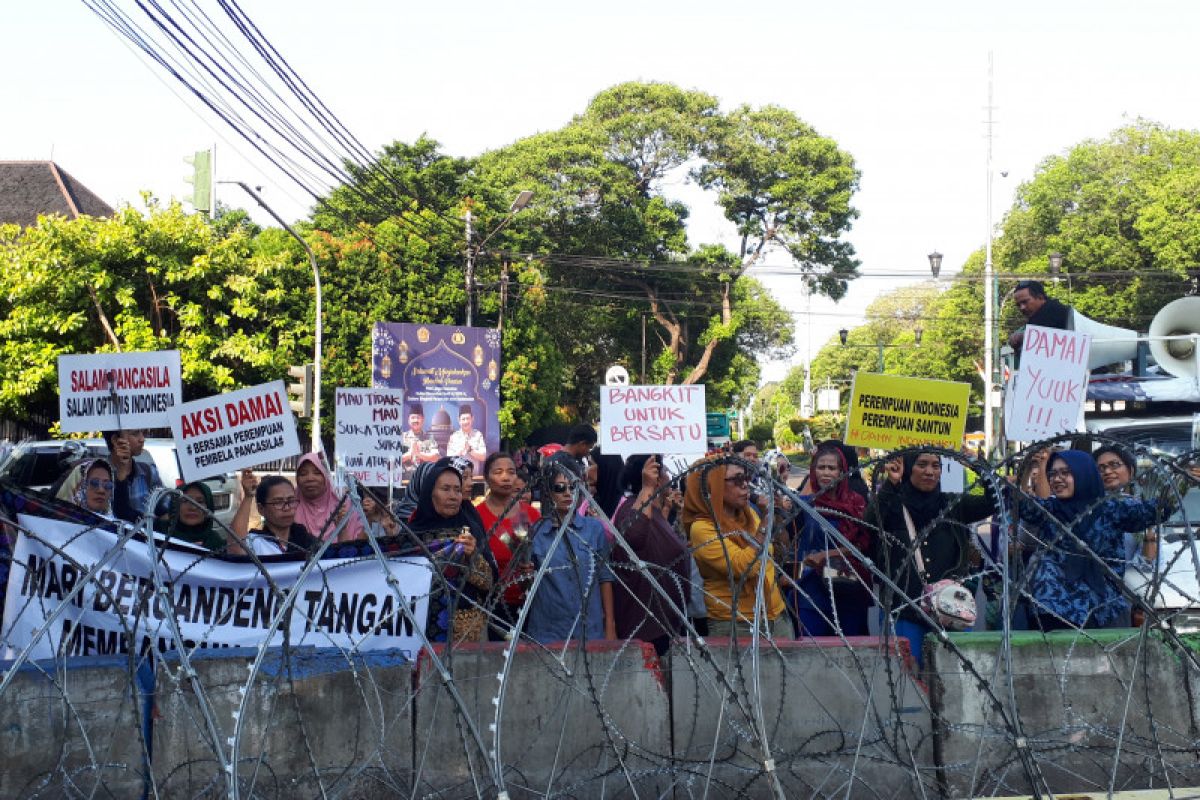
[[309, 705]]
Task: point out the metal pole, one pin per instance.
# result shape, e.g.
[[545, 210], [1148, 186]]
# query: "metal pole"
[[470, 273], [312, 259], [503, 295], [880, 346], [643, 347], [989, 302]]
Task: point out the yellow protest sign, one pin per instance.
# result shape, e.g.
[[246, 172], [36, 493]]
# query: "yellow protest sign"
[[889, 412]]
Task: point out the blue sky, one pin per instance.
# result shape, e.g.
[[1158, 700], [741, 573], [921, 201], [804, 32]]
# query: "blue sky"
[[902, 87]]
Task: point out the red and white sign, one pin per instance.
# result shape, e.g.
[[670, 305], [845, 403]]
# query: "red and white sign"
[[1048, 392], [235, 430], [111, 391], [652, 419]]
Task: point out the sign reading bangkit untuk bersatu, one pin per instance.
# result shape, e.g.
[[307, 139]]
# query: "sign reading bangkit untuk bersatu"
[[110, 391], [234, 430], [889, 412], [652, 419]]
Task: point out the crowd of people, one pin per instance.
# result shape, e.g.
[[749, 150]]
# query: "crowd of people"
[[568, 543]]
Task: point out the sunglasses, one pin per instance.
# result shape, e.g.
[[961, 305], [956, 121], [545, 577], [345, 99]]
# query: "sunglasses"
[[286, 502], [97, 483], [739, 480], [559, 488]]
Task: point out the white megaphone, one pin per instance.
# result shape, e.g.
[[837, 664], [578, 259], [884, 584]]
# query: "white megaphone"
[[1178, 318], [1110, 344]]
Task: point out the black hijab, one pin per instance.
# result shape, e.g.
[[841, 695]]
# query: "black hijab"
[[923, 507], [425, 518]]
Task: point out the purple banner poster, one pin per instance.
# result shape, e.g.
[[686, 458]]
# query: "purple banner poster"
[[451, 381]]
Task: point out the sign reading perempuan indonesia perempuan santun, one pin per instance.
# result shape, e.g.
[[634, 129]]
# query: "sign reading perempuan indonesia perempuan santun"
[[888, 412]]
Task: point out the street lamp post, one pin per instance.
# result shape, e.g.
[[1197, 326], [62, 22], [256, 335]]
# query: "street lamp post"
[[844, 334], [473, 251], [312, 259]]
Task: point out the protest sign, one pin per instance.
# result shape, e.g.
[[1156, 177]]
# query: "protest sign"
[[230, 431], [111, 391], [652, 419], [1048, 395], [889, 412], [451, 381], [370, 433], [343, 602]]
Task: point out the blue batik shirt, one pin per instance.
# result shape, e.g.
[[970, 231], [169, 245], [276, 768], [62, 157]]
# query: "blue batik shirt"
[[567, 603]]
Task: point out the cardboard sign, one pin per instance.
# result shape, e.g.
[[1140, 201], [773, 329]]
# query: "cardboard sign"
[[1048, 397], [890, 412], [344, 602], [230, 431], [370, 434], [111, 391], [652, 419]]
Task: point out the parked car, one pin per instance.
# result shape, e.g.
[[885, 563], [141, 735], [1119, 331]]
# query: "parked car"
[[38, 464]]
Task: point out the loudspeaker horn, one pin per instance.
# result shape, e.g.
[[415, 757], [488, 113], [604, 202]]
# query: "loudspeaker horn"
[[1115, 344], [1178, 318]]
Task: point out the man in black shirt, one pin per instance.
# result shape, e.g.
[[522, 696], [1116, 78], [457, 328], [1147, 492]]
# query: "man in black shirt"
[[1038, 309]]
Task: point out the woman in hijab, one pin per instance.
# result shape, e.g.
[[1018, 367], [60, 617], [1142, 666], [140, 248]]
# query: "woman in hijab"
[[318, 507], [640, 595], [940, 522], [815, 593], [94, 488], [188, 520], [728, 546], [451, 530], [1075, 524]]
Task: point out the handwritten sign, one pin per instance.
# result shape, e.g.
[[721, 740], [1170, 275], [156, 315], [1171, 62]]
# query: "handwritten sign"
[[370, 430], [234, 430], [1049, 392], [889, 412], [110, 391], [652, 419]]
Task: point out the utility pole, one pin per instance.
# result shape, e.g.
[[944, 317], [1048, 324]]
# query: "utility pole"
[[470, 272], [991, 381], [503, 295], [316, 369]]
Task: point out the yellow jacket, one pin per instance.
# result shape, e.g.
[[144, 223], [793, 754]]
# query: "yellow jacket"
[[730, 561]]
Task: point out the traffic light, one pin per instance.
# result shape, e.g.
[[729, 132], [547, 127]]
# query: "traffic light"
[[202, 180], [302, 391]]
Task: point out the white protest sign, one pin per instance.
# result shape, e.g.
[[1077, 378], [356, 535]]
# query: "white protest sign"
[[343, 602], [370, 430], [652, 419], [1048, 398], [230, 431], [110, 391], [953, 476]]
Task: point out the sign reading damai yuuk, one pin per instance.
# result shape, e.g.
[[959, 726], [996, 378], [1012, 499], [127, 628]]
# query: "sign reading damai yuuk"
[[1049, 390], [652, 419], [234, 430], [110, 391], [889, 412]]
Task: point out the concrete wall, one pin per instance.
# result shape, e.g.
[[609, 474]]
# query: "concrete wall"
[[317, 719], [1086, 702], [825, 708], [71, 727], [613, 721]]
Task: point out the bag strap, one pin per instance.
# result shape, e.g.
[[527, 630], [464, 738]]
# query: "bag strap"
[[912, 535]]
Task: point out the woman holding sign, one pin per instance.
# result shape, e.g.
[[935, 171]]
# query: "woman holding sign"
[[1081, 535]]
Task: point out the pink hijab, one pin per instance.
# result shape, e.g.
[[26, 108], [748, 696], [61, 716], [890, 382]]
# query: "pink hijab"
[[315, 514]]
